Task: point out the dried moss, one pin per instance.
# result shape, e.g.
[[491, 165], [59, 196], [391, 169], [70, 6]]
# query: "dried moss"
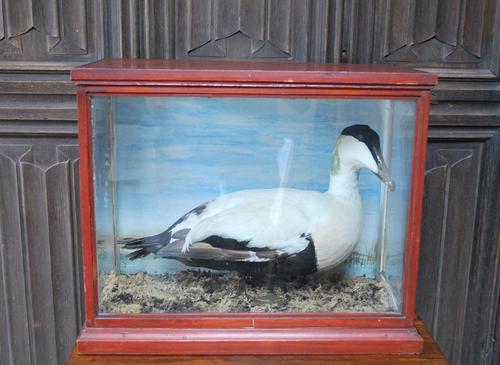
[[201, 291]]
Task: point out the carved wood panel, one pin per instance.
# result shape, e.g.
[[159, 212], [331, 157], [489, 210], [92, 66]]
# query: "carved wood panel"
[[457, 263], [290, 30], [414, 34], [445, 33], [40, 250], [43, 30], [139, 29], [448, 235], [252, 29], [427, 33], [229, 29]]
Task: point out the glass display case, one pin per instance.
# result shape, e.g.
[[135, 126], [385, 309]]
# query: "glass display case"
[[250, 208]]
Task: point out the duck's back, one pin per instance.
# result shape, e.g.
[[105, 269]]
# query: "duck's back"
[[272, 218]]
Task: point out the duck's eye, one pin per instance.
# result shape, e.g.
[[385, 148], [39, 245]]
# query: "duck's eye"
[[360, 137]]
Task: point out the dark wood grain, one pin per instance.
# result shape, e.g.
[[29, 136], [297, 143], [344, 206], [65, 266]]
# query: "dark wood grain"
[[456, 262], [50, 30], [14, 306], [483, 292], [59, 195], [456, 167], [37, 236], [279, 30], [37, 258], [451, 35]]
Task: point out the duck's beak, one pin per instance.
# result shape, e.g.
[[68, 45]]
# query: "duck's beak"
[[383, 172]]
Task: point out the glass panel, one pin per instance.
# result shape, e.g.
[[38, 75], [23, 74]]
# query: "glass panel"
[[399, 118], [251, 204]]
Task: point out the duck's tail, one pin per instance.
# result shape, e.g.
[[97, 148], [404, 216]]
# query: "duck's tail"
[[145, 245]]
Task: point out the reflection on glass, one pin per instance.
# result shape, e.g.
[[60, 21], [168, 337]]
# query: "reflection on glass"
[[251, 204]]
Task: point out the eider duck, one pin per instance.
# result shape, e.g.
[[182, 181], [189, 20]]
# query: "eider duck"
[[277, 231]]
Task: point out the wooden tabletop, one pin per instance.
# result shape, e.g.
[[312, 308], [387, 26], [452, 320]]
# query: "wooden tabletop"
[[432, 355]]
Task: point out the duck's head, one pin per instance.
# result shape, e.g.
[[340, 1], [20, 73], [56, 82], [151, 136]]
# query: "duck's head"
[[358, 146]]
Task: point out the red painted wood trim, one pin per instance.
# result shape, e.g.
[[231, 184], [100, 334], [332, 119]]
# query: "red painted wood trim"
[[228, 85], [230, 320], [242, 91], [109, 71], [87, 207], [416, 206], [249, 333], [250, 341], [227, 320], [431, 355]]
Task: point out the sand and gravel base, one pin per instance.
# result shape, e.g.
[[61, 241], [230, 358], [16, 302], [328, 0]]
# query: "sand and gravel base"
[[201, 291]]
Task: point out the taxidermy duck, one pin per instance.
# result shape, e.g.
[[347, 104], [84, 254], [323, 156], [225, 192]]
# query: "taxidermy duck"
[[277, 231]]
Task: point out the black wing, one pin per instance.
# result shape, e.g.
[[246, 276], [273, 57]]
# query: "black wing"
[[144, 246]]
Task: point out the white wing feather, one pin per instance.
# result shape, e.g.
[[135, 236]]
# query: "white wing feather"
[[274, 218]]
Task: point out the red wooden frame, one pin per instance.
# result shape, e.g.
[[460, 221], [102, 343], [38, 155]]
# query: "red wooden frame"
[[249, 333]]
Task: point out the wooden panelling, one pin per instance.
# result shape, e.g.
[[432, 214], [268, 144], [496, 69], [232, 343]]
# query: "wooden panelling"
[[40, 300], [483, 294], [496, 345], [49, 30], [444, 34], [452, 171], [263, 29], [139, 29], [40, 248], [288, 30], [460, 248], [14, 304], [252, 29]]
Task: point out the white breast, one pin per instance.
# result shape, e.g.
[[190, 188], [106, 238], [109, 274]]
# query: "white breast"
[[337, 231]]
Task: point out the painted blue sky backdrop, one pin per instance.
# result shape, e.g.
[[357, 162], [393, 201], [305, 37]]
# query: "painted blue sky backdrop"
[[174, 153]]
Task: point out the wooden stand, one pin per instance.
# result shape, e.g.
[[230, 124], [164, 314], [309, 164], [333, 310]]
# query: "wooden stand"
[[431, 355]]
